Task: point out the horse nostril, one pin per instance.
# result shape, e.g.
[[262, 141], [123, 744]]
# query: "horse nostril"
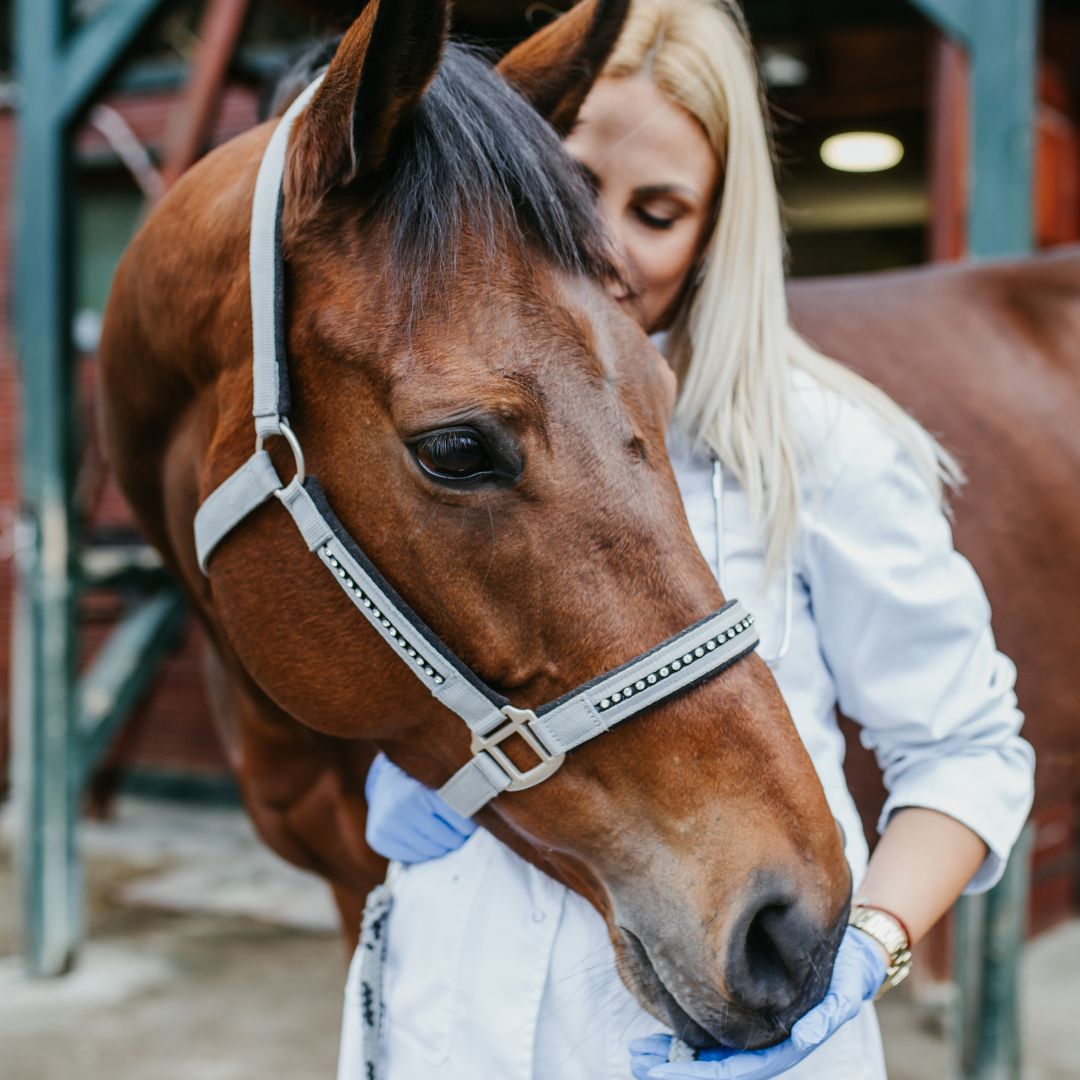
[[777, 958], [764, 956]]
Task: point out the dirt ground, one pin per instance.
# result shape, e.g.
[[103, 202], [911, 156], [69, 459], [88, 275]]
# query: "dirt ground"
[[209, 959]]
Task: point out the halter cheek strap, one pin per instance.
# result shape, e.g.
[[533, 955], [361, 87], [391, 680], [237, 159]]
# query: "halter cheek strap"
[[688, 658]]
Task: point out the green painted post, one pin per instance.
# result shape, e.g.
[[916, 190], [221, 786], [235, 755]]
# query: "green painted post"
[[122, 672], [989, 932], [1002, 39], [995, 1051], [95, 50], [952, 17], [969, 954], [56, 77], [1004, 45], [1002, 36], [52, 888]]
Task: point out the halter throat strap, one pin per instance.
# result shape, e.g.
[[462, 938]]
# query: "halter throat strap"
[[690, 657]]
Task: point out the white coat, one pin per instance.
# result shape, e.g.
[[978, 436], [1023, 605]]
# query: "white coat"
[[496, 972]]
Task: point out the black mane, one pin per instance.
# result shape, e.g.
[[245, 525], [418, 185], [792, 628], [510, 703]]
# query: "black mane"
[[477, 159]]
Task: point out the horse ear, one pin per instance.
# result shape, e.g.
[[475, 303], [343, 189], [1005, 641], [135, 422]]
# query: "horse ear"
[[556, 67], [376, 78]]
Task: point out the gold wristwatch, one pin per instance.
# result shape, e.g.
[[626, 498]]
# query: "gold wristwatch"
[[889, 933]]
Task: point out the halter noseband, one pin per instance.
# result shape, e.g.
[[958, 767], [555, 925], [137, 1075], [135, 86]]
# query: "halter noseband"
[[690, 657]]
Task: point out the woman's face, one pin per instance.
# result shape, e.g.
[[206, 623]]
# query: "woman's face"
[[656, 178]]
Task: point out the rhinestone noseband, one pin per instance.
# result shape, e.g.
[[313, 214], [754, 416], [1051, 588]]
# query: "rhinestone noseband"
[[692, 656]]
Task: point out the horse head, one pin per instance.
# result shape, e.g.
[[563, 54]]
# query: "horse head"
[[490, 426]]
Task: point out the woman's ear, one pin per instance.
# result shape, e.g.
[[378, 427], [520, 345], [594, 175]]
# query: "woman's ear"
[[556, 67], [377, 77]]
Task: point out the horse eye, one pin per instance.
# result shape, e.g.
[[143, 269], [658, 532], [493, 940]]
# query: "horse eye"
[[454, 455]]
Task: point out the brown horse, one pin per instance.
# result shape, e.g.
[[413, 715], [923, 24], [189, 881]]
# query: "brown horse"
[[988, 357], [490, 426]]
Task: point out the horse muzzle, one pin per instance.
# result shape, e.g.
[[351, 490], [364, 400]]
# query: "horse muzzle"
[[773, 967]]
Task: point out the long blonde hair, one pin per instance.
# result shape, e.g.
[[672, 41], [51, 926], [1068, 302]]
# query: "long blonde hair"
[[731, 342]]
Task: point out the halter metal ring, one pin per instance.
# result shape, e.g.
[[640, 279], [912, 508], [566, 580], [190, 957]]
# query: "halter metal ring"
[[286, 432], [518, 725]]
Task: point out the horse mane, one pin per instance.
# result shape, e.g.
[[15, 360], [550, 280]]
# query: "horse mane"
[[474, 161]]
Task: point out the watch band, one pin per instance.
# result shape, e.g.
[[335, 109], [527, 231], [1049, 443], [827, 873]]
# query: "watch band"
[[889, 932]]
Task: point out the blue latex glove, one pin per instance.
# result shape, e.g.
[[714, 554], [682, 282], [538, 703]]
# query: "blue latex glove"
[[407, 821], [857, 975]]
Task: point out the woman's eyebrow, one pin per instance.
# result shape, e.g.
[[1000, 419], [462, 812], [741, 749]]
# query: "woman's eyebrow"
[[649, 191]]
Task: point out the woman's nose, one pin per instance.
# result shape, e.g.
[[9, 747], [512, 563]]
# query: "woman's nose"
[[617, 288]]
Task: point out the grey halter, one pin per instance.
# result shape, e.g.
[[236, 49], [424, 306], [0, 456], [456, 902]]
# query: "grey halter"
[[690, 657]]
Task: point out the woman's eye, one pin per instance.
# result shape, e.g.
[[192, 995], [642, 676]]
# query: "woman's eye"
[[454, 455], [654, 221]]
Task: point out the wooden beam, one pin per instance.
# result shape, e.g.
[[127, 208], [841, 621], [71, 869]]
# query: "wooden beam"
[[950, 151], [191, 124]]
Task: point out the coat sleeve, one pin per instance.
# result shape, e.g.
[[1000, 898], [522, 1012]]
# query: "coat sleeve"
[[904, 627]]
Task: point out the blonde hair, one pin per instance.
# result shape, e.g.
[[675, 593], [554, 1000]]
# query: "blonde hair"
[[731, 342]]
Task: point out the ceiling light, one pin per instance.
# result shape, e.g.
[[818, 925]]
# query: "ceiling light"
[[862, 151], [783, 69]]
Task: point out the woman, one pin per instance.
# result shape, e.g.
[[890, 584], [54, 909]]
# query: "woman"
[[818, 502]]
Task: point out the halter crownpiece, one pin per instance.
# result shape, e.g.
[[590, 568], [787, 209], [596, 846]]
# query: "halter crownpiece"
[[690, 657]]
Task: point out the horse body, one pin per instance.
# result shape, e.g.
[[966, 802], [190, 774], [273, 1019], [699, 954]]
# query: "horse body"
[[490, 426], [987, 356]]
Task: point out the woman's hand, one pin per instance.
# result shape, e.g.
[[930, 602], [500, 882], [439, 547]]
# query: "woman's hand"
[[857, 974], [407, 821]]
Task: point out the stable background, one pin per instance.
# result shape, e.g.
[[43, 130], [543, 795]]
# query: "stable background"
[[196, 74]]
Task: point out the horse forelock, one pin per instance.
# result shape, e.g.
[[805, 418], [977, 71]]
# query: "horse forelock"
[[475, 177]]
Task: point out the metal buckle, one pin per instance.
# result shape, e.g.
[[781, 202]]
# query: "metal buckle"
[[519, 720], [287, 433]]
